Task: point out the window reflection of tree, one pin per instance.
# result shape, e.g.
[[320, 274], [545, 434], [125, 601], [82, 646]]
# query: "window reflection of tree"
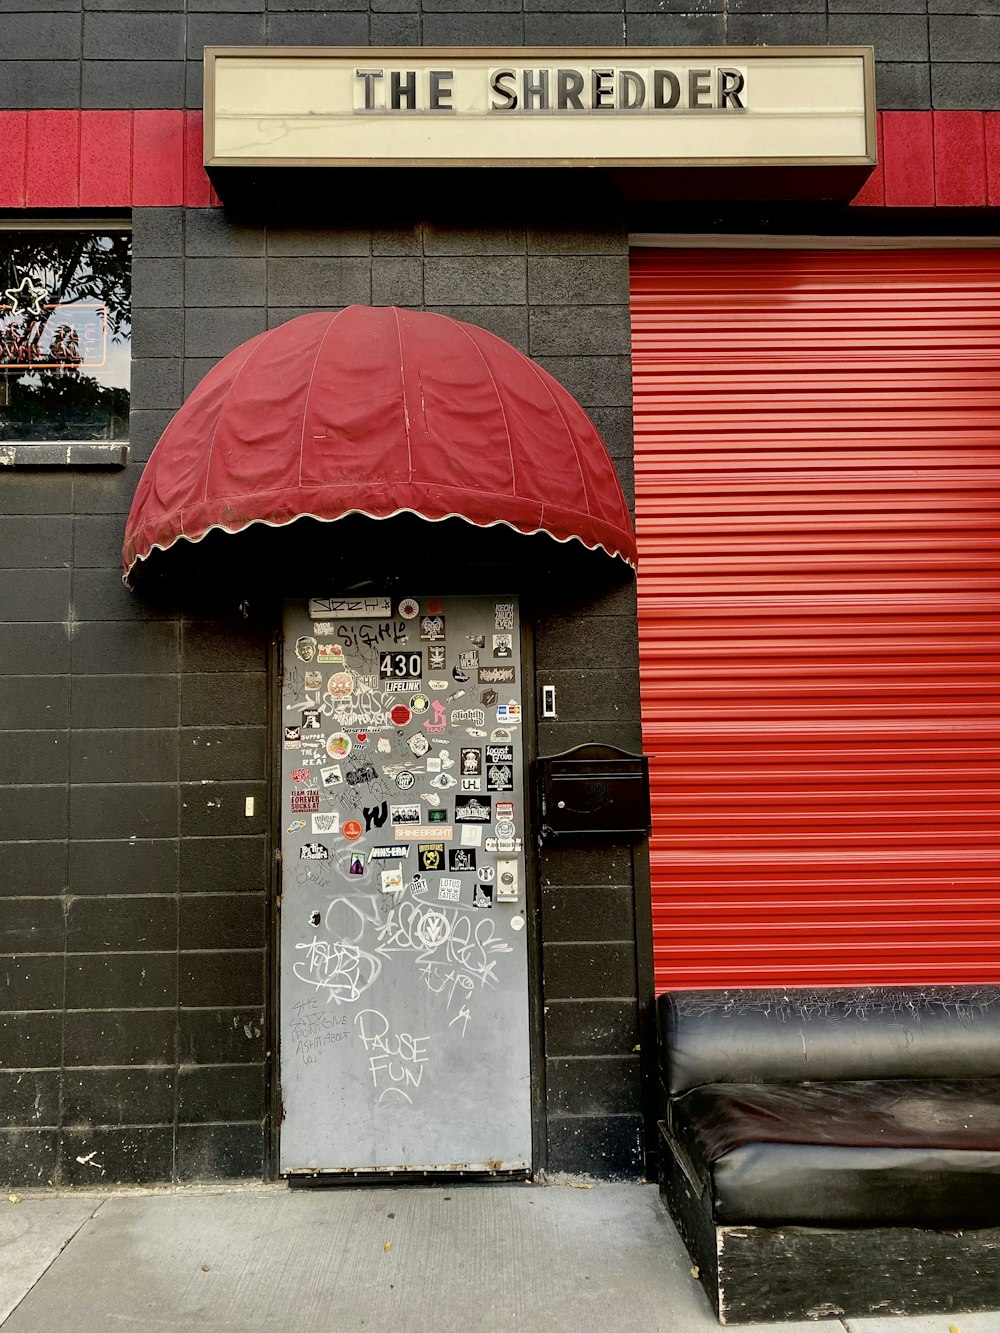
[[45, 392]]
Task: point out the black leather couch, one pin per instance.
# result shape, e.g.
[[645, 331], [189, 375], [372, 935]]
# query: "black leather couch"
[[828, 1152]]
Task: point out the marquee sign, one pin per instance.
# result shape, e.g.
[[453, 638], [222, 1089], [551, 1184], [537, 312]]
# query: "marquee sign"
[[524, 106]]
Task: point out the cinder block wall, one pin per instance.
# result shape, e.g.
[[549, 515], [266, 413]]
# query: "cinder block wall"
[[132, 907], [134, 914]]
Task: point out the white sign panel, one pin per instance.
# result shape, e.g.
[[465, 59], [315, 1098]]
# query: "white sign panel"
[[628, 106]]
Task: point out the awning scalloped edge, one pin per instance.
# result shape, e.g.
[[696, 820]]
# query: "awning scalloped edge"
[[347, 513]]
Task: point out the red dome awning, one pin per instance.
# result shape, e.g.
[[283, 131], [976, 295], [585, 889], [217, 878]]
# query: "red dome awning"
[[378, 411]]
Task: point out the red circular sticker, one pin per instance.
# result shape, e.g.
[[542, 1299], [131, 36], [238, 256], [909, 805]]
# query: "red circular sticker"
[[399, 715], [352, 830]]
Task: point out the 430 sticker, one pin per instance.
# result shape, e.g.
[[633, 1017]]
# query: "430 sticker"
[[400, 666]]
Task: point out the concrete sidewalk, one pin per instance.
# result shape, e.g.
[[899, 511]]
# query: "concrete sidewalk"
[[458, 1259]]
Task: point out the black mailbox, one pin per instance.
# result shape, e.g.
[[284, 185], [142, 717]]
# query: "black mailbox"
[[594, 790]]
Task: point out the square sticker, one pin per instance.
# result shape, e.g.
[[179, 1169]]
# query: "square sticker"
[[430, 856], [473, 810], [328, 822]]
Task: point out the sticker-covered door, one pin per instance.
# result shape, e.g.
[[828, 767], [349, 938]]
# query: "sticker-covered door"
[[404, 980]]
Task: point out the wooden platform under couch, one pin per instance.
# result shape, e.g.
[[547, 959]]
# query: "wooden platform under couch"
[[829, 1152]]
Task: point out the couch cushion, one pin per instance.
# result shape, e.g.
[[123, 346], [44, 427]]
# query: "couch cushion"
[[768, 1036], [862, 1153]]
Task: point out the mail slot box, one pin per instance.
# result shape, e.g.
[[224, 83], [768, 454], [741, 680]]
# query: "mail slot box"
[[594, 790]]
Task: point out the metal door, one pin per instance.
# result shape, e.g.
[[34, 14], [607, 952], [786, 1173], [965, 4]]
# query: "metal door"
[[403, 969]]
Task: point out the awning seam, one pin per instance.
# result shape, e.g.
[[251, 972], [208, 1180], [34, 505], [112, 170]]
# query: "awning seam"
[[402, 395], [222, 406], [503, 414], [312, 376], [543, 380]]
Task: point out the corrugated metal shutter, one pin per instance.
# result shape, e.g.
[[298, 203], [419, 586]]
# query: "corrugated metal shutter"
[[818, 501]]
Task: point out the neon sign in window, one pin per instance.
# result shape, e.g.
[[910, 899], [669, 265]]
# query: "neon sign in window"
[[65, 335]]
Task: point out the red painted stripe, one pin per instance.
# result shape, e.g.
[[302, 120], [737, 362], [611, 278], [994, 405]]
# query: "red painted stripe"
[[991, 129], [959, 159], [158, 159], [14, 137], [105, 158], [872, 193], [59, 159], [52, 165], [909, 159], [102, 159], [198, 192]]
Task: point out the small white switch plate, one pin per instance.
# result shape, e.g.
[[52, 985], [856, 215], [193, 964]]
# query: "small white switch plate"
[[548, 701], [248, 807]]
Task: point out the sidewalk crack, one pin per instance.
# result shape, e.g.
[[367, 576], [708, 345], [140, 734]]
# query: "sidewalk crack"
[[55, 1258]]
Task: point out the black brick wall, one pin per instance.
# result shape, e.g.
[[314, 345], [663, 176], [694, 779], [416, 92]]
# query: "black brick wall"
[[133, 926], [940, 54], [131, 884]]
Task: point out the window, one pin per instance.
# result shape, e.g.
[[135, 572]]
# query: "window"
[[65, 344]]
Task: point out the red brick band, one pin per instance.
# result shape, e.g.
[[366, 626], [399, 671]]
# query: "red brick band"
[[148, 159], [103, 159]]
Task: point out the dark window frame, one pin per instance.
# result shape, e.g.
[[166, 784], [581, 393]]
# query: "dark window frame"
[[63, 449]]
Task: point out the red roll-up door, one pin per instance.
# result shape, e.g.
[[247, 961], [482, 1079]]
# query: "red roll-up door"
[[818, 504]]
